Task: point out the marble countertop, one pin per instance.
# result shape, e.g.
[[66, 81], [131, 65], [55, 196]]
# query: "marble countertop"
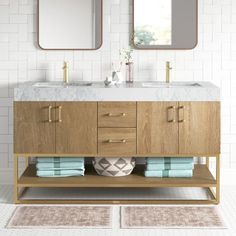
[[178, 91]]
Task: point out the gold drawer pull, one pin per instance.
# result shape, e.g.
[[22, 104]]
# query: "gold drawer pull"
[[59, 114], [171, 110], [50, 114], [181, 108], [116, 115], [116, 141]]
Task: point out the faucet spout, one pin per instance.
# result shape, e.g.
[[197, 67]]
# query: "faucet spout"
[[168, 68], [66, 72]]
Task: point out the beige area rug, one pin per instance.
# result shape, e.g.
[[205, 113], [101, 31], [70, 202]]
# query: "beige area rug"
[[61, 217], [170, 217]]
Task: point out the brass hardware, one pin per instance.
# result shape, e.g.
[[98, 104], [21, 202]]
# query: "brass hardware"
[[50, 114], [65, 72], [59, 114], [169, 109], [116, 115], [168, 68], [116, 141], [181, 108]]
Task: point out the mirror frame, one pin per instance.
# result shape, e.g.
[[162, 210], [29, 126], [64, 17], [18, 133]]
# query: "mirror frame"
[[69, 49], [162, 48]]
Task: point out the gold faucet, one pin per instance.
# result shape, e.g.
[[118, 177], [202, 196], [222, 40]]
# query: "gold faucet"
[[66, 72], [168, 68]]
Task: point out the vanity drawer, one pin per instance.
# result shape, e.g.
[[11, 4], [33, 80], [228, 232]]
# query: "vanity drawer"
[[116, 141], [117, 114]]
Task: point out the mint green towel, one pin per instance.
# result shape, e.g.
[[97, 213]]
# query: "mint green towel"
[[59, 173], [162, 160], [169, 173], [60, 159], [59, 165], [170, 166]]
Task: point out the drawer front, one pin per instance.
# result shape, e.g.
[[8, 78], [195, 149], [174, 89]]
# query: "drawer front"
[[117, 114], [116, 141]]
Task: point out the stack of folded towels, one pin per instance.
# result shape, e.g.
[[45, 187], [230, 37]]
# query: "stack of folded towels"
[[169, 167], [60, 166]]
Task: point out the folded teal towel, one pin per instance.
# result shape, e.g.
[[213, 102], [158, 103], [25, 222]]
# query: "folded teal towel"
[[170, 166], [169, 173], [60, 159], [59, 173], [162, 160], [59, 165]]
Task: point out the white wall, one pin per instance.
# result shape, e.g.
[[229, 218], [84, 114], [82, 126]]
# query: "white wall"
[[214, 60]]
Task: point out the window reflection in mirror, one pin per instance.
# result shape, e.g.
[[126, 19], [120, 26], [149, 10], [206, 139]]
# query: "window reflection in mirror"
[[152, 22]]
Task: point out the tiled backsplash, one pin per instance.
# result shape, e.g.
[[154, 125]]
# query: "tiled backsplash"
[[214, 59]]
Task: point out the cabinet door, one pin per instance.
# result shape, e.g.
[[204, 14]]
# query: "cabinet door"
[[34, 129], [76, 127], [199, 128], [157, 130]]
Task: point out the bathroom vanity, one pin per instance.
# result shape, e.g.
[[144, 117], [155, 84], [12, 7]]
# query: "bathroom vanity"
[[149, 119]]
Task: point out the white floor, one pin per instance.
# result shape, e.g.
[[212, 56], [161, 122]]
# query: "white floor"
[[227, 208]]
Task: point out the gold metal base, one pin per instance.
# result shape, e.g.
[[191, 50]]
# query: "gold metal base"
[[214, 193]]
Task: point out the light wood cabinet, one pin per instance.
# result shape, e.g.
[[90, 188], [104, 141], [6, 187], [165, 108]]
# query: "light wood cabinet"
[[199, 128], [117, 114], [138, 129], [76, 127], [157, 132], [57, 128], [179, 128], [116, 141], [34, 131]]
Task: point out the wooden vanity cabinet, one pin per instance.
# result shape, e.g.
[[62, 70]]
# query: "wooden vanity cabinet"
[[33, 131], [157, 132], [76, 127], [199, 128], [55, 127], [178, 128]]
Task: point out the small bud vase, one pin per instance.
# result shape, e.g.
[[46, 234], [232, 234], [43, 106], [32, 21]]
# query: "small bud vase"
[[129, 72]]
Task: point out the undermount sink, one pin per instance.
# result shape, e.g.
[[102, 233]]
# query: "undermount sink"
[[170, 85], [61, 84]]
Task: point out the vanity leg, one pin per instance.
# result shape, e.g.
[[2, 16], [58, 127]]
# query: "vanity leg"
[[27, 161], [218, 179], [207, 162], [15, 179]]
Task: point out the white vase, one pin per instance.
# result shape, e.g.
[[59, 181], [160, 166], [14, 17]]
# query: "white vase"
[[114, 166]]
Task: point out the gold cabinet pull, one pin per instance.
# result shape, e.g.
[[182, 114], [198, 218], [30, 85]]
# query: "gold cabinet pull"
[[59, 114], [181, 108], [50, 114], [171, 110], [116, 115], [116, 141]]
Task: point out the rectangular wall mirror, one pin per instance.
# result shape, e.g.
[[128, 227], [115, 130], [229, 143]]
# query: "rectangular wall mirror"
[[70, 24], [165, 24]]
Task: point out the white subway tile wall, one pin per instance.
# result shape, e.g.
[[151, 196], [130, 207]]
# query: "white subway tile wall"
[[214, 59]]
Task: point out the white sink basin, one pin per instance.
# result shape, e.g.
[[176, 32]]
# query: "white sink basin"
[[60, 84], [170, 85]]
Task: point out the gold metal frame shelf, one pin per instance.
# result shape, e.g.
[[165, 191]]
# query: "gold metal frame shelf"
[[202, 177]]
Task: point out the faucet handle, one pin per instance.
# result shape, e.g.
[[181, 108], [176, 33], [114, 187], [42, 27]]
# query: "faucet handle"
[[66, 64], [168, 64]]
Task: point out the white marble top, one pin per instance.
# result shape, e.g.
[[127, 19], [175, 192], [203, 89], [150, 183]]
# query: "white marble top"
[[138, 91]]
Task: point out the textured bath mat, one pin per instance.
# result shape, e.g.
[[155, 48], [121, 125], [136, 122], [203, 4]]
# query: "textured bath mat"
[[61, 217], [170, 217]]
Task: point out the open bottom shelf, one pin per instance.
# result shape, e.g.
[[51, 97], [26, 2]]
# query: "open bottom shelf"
[[202, 177]]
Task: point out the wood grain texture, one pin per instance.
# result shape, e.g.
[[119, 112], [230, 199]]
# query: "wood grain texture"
[[202, 177], [32, 131], [77, 132], [154, 133], [200, 133], [116, 134], [116, 109]]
